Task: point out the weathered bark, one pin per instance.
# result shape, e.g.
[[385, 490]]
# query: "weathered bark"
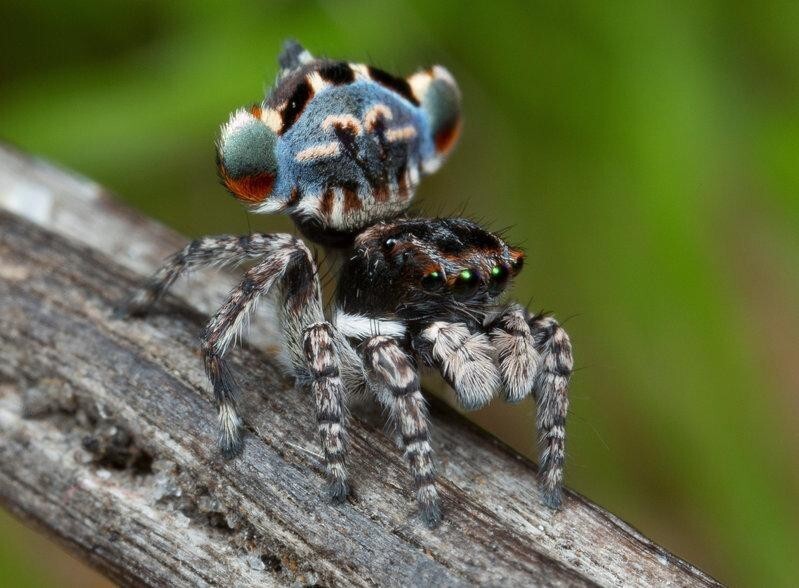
[[107, 439]]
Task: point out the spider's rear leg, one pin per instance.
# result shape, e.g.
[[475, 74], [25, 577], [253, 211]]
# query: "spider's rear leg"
[[392, 375], [227, 323], [464, 360], [201, 253], [535, 356]]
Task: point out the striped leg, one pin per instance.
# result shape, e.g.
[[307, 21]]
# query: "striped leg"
[[534, 356], [288, 262], [392, 376], [328, 391], [552, 387], [464, 359], [201, 253]]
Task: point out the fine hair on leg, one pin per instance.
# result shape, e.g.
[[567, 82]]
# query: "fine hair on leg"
[[228, 323], [393, 377], [464, 360], [517, 356], [205, 252], [552, 386], [329, 393]]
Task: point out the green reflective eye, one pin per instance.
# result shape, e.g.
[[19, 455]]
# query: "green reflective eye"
[[499, 273], [499, 277], [467, 283]]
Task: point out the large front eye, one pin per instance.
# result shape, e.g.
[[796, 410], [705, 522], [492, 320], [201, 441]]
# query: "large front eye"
[[499, 277], [466, 283]]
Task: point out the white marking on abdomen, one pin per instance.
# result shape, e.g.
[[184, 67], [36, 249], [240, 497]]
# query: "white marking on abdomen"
[[319, 151], [401, 134]]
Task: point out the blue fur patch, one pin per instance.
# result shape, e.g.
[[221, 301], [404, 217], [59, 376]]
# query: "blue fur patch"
[[347, 144]]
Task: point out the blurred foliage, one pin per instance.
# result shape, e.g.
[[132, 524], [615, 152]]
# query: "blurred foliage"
[[30, 560], [646, 154]]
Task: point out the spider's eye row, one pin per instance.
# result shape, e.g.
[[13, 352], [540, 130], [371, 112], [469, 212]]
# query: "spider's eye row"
[[433, 281], [389, 243], [517, 264]]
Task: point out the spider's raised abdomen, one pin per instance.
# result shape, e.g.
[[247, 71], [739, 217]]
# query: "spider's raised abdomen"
[[339, 146], [355, 154]]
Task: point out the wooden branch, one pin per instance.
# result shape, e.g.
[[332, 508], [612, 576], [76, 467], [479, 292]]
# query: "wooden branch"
[[107, 439]]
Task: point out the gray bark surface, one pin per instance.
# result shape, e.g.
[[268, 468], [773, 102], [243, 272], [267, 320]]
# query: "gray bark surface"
[[107, 438]]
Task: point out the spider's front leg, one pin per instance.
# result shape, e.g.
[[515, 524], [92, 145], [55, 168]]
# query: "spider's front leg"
[[328, 390], [535, 356], [393, 377]]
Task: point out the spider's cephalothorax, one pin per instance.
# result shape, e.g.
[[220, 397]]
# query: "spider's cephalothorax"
[[338, 145], [422, 271]]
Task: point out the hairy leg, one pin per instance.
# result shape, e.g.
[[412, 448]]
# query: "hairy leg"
[[201, 253], [534, 356], [288, 263], [552, 387], [392, 375], [517, 356], [465, 360], [328, 390], [226, 325]]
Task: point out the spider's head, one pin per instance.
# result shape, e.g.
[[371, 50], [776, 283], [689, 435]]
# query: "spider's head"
[[433, 269], [246, 157]]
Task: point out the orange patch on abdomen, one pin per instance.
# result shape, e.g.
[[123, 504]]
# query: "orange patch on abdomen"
[[447, 136], [251, 189]]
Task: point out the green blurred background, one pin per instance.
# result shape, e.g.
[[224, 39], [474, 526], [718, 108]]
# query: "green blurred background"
[[645, 154]]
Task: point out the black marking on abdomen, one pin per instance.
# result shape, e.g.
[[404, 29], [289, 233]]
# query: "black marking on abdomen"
[[294, 198], [338, 73], [295, 105], [399, 85]]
